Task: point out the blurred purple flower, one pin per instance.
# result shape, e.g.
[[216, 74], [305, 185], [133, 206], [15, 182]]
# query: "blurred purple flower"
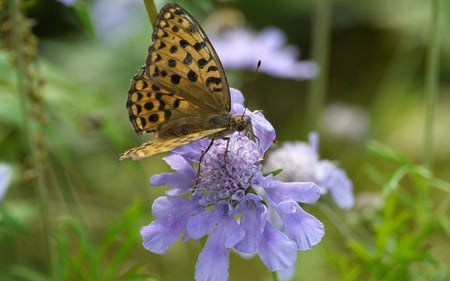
[[228, 201], [67, 3], [5, 179], [300, 162], [242, 48]]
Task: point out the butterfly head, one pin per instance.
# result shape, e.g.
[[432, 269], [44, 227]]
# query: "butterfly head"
[[239, 122]]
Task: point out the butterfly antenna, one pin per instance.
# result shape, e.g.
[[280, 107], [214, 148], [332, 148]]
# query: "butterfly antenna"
[[258, 65]]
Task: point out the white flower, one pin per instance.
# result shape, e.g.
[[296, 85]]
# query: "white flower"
[[300, 162], [345, 121]]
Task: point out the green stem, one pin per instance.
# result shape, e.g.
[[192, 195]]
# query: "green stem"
[[431, 82], [23, 84], [320, 50], [151, 10], [274, 276]]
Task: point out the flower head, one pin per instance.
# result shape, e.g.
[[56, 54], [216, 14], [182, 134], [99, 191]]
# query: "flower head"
[[345, 121], [242, 48], [230, 200], [300, 162]]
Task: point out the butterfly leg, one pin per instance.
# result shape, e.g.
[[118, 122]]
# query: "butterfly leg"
[[200, 162], [225, 157]]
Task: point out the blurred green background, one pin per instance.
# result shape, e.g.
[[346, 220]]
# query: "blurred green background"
[[82, 221]]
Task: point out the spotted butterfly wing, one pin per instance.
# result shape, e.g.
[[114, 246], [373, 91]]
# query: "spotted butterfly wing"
[[181, 94], [183, 60]]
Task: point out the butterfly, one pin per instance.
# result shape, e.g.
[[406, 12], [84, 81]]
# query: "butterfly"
[[181, 94]]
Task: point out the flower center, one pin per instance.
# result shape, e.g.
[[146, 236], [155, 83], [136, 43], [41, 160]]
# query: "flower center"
[[228, 169]]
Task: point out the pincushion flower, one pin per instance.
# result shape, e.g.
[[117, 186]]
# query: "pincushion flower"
[[241, 48], [229, 199], [300, 162]]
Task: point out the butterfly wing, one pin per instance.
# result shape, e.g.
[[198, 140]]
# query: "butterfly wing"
[[168, 115], [162, 145], [150, 106], [181, 94], [173, 120], [183, 61]]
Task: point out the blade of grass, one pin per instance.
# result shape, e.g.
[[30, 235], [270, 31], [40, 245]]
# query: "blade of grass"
[[431, 81], [320, 50]]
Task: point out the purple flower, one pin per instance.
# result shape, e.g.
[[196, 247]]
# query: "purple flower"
[[5, 179], [242, 48], [232, 202], [300, 162]]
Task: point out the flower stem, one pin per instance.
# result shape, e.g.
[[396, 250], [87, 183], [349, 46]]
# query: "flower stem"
[[151, 10], [274, 276], [320, 49], [25, 83], [431, 81]]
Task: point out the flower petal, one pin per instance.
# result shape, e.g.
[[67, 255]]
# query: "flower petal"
[[263, 130], [305, 192], [201, 224], [179, 164], [300, 226], [252, 221], [286, 274], [6, 174], [242, 48], [181, 180], [171, 215], [339, 185], [313, 139], [214, 259], [276, 250], [192, 151], [208, 221], [236, 96]]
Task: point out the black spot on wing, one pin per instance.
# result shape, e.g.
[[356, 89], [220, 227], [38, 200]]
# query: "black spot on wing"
[[202, 62], [213, 80], [175, 79], [172, 63], [149, 105], [192, 76], [176, 103], [153, 118], [184, 43], [173, 49]]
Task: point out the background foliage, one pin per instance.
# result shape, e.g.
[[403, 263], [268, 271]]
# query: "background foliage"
[[73, 213]]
